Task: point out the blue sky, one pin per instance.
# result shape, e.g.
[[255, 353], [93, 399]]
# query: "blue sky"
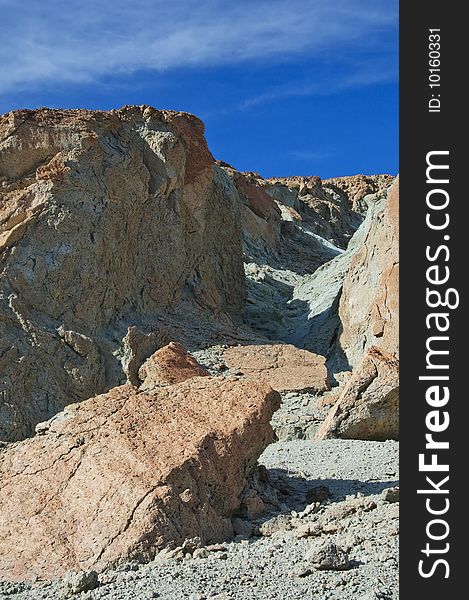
[[307, 87]]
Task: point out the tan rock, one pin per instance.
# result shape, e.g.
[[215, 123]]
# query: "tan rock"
[[282, 366], [369, 304], [170, 364], [121, 475], [260, 214], [137, 347], [108, 221], [356, 187], [368, 406]]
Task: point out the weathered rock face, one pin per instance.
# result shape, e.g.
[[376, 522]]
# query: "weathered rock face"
[[170, 364], [369, 304], [320, 293], [357, 187], [331, 208], [282, 366], [261, 216], [368, 406], [108, 220], [121, 475]]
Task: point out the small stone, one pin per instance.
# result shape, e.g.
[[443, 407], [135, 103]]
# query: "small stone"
[[308, 530], [319, 493], [175, 554], [42, 428], [216, 548], [219, 367], [190, 545], [330, 528], [311, 508], [76, 583], [300, 571], [200, 553], [327, 556], [390, 495], [280, 524], [242, 527], [384, 556], [254, 504], [130, 565], [371, 595], [351, 541]]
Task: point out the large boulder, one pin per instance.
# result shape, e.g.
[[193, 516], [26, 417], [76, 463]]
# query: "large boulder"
[[282, 366], [367, 407], [109, 222], [124, 474], [168, 365]]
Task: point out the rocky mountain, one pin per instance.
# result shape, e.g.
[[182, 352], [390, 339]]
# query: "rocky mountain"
[[164, 318]]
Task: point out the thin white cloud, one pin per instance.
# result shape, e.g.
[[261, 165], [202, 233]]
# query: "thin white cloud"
[[60, 42], [362, 74]]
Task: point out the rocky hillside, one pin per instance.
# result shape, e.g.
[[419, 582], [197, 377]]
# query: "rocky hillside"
[[163, 319]]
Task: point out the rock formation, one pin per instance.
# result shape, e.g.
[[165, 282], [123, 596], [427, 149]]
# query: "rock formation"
[[368, 404], [282, 366], [122, 475], [260, 214], [321, 292], [108, 220], [170, 364], [332, 208], [367, 407], [358, 187], [323, 223], [123, 290], [369, 304]]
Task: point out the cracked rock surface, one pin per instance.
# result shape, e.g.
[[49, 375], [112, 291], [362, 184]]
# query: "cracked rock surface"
[[124, 474], [359, 516]]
